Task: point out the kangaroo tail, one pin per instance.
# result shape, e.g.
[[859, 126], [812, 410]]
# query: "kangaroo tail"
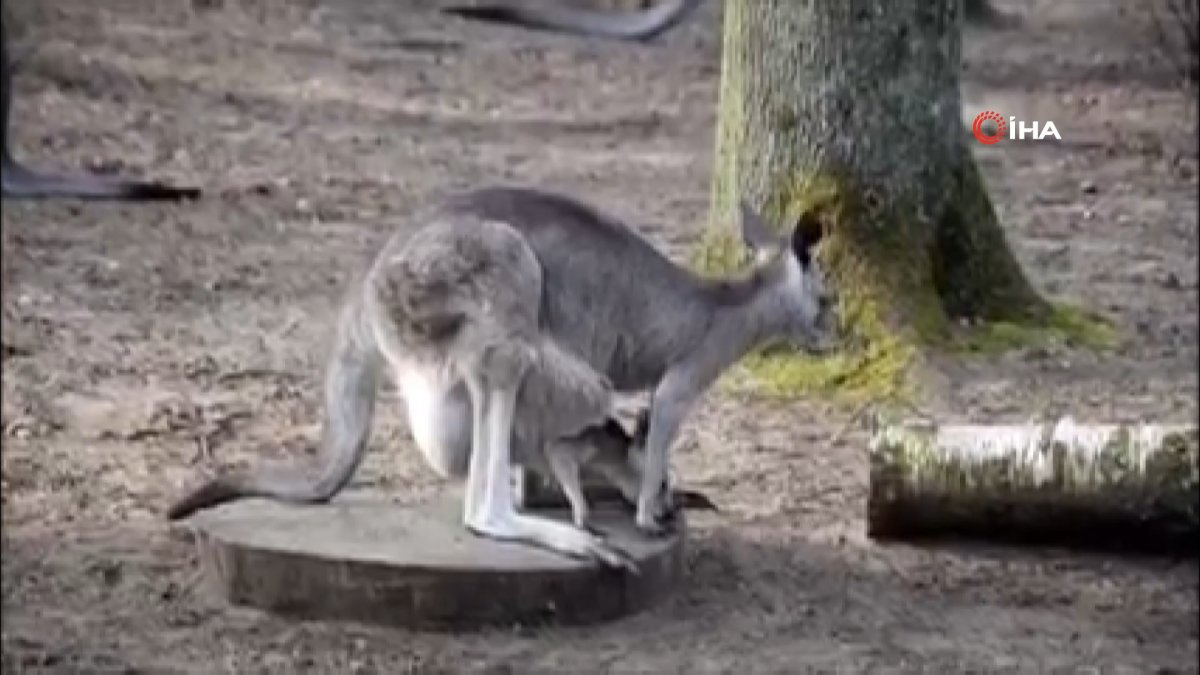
[[643, 24], [21, 182], [351, 384]]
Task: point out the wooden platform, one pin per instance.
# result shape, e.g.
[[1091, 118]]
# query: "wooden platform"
[[364, 558]]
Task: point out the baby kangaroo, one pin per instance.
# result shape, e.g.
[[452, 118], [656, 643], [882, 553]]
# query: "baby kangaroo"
[[617, 457]]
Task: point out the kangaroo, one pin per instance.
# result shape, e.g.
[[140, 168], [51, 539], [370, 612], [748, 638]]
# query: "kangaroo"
[[642, 24], [21, 182], [508, 314]]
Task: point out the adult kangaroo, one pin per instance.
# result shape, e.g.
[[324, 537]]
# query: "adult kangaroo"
[[503, 316], [642, 24], [18, 181]]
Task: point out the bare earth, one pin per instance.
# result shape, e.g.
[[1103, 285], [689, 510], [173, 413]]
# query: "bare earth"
[[137, 336]]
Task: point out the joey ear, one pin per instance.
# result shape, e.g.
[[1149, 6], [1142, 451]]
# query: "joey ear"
[[756, 233], [616, 430], [641, 427], [806, 234]]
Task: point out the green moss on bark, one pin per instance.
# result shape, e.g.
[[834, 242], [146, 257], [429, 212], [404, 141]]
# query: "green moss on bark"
[[829, 111], [975, 272], [886, 303], [901, 289], [732, 130], [1063, 324], [981, 284]]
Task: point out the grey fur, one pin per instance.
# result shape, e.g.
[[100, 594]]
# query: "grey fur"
[[642, 24], [507, 317], [441, 299], [608, 451], [350, 392], [647, 323]]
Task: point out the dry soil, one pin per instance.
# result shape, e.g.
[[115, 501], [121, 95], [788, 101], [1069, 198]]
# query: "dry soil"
[[142, 343]]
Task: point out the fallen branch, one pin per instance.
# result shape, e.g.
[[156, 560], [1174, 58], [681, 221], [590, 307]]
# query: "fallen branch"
[[1112, 486]]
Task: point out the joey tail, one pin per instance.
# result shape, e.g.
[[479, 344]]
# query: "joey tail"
[[643, 24], [351, 386]]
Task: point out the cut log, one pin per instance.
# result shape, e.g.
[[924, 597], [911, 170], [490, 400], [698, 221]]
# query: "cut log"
[[1092, 485], [366, 559]]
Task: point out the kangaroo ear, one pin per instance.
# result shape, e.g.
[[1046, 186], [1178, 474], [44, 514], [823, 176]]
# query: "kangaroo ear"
[[806, 234], [616, 430], [756, 234]]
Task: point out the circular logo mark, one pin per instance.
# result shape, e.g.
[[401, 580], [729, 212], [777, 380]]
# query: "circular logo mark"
[[983, 136]]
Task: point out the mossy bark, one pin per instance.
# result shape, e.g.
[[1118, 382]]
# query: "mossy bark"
[[852, 111], [1093, 485]]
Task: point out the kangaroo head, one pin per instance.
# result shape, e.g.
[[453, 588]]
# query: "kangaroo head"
[[796, 286]]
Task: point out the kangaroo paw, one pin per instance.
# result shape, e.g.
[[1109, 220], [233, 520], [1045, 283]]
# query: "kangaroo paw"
[[614, 557], [562, 538], [653, 527]]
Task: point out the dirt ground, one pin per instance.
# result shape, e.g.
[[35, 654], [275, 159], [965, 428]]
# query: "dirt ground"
[[136, 336]]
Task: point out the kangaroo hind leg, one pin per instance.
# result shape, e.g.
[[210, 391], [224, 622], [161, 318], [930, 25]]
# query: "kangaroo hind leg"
[[492, 511], [466, 293], [528, 388]]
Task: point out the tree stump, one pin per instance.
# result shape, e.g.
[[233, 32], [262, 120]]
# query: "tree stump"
[[363, 558]]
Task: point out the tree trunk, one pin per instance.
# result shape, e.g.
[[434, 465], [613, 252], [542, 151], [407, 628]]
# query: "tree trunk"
[[1095, 485], [979, 11], [851, 110]]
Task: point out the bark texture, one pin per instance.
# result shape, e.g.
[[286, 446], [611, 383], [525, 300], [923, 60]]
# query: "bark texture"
[[1096, 485], [851, 110], [979, 11]]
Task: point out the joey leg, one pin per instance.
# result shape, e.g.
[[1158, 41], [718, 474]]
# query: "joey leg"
[[566, 471]]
